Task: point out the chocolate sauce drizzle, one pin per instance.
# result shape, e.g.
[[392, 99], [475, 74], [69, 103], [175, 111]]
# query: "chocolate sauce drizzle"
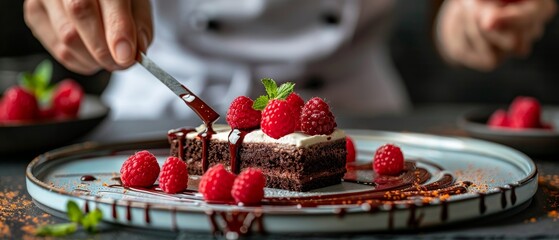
[[129, 211], [86, 206], [236, 222], [147, 219], [444, 210], [115, 213], [236, 137], [406, 186], [180, 136], [482, 206], [206, 136], [203, 110]]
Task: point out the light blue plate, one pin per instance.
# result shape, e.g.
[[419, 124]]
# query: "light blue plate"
[[506, 177]]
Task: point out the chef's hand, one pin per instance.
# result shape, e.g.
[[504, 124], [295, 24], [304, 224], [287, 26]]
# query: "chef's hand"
[[481, 33], [89, 35]]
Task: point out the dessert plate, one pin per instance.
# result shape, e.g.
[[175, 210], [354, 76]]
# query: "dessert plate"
[[38, 136], [500, 178], [539, 142]]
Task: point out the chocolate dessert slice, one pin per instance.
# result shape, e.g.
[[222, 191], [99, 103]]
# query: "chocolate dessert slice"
[[295, 162]]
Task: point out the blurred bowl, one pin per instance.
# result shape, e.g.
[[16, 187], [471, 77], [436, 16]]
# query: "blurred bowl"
[[539, 142], [45, 135]]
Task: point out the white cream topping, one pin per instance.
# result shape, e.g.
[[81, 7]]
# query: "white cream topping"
[[298, 139]]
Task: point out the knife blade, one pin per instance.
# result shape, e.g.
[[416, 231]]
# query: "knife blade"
[[203, 110]]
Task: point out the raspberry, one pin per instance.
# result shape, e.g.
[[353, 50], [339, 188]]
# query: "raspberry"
[[498, 119], [19, 105], [277, 119], [174, 175], [216, 184], [350, 147], [524, 112], [317, 118], [46, 113], [1, 111], [241, 115], [296, 103], [139, 170], [67, 98], [248, 188], [388, 160]]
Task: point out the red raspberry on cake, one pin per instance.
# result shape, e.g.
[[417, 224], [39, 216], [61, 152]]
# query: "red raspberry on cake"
[[248, 188], [216, 184], [499, 119], [350, 148], [317, 118], [241, 115], [139, 170], [278, 119], [296, 103], [388, 160], [524, 112], [19, 104], [174, 175], [67, 98]]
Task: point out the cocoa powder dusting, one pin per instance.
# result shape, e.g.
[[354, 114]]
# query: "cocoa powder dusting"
[[15, 212], [549, 184]]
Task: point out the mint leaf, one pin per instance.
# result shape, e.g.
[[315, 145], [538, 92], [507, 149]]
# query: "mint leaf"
[[57, 230], [285, 89], [91, 220], [38, 82], [271, 87], [43, 74], [260, 103], [273, 93], [74, 212]]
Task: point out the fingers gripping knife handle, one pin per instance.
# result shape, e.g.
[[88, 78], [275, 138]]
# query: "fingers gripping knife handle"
[[203, 110]]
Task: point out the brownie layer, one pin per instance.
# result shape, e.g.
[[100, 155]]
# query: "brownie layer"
[[285, 166]]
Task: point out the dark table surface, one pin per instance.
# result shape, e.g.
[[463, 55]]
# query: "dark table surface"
[[536, 219]]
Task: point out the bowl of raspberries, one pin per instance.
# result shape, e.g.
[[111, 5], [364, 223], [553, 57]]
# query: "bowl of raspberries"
[[37, 115], [524, 125]]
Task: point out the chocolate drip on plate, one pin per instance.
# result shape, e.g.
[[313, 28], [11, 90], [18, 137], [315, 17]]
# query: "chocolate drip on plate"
[[87, 178]]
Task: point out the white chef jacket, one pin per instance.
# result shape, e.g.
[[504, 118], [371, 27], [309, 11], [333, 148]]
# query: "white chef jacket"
[[220, 49]]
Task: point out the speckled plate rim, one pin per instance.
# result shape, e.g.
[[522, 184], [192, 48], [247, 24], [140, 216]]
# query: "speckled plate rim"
[[353, 219]]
